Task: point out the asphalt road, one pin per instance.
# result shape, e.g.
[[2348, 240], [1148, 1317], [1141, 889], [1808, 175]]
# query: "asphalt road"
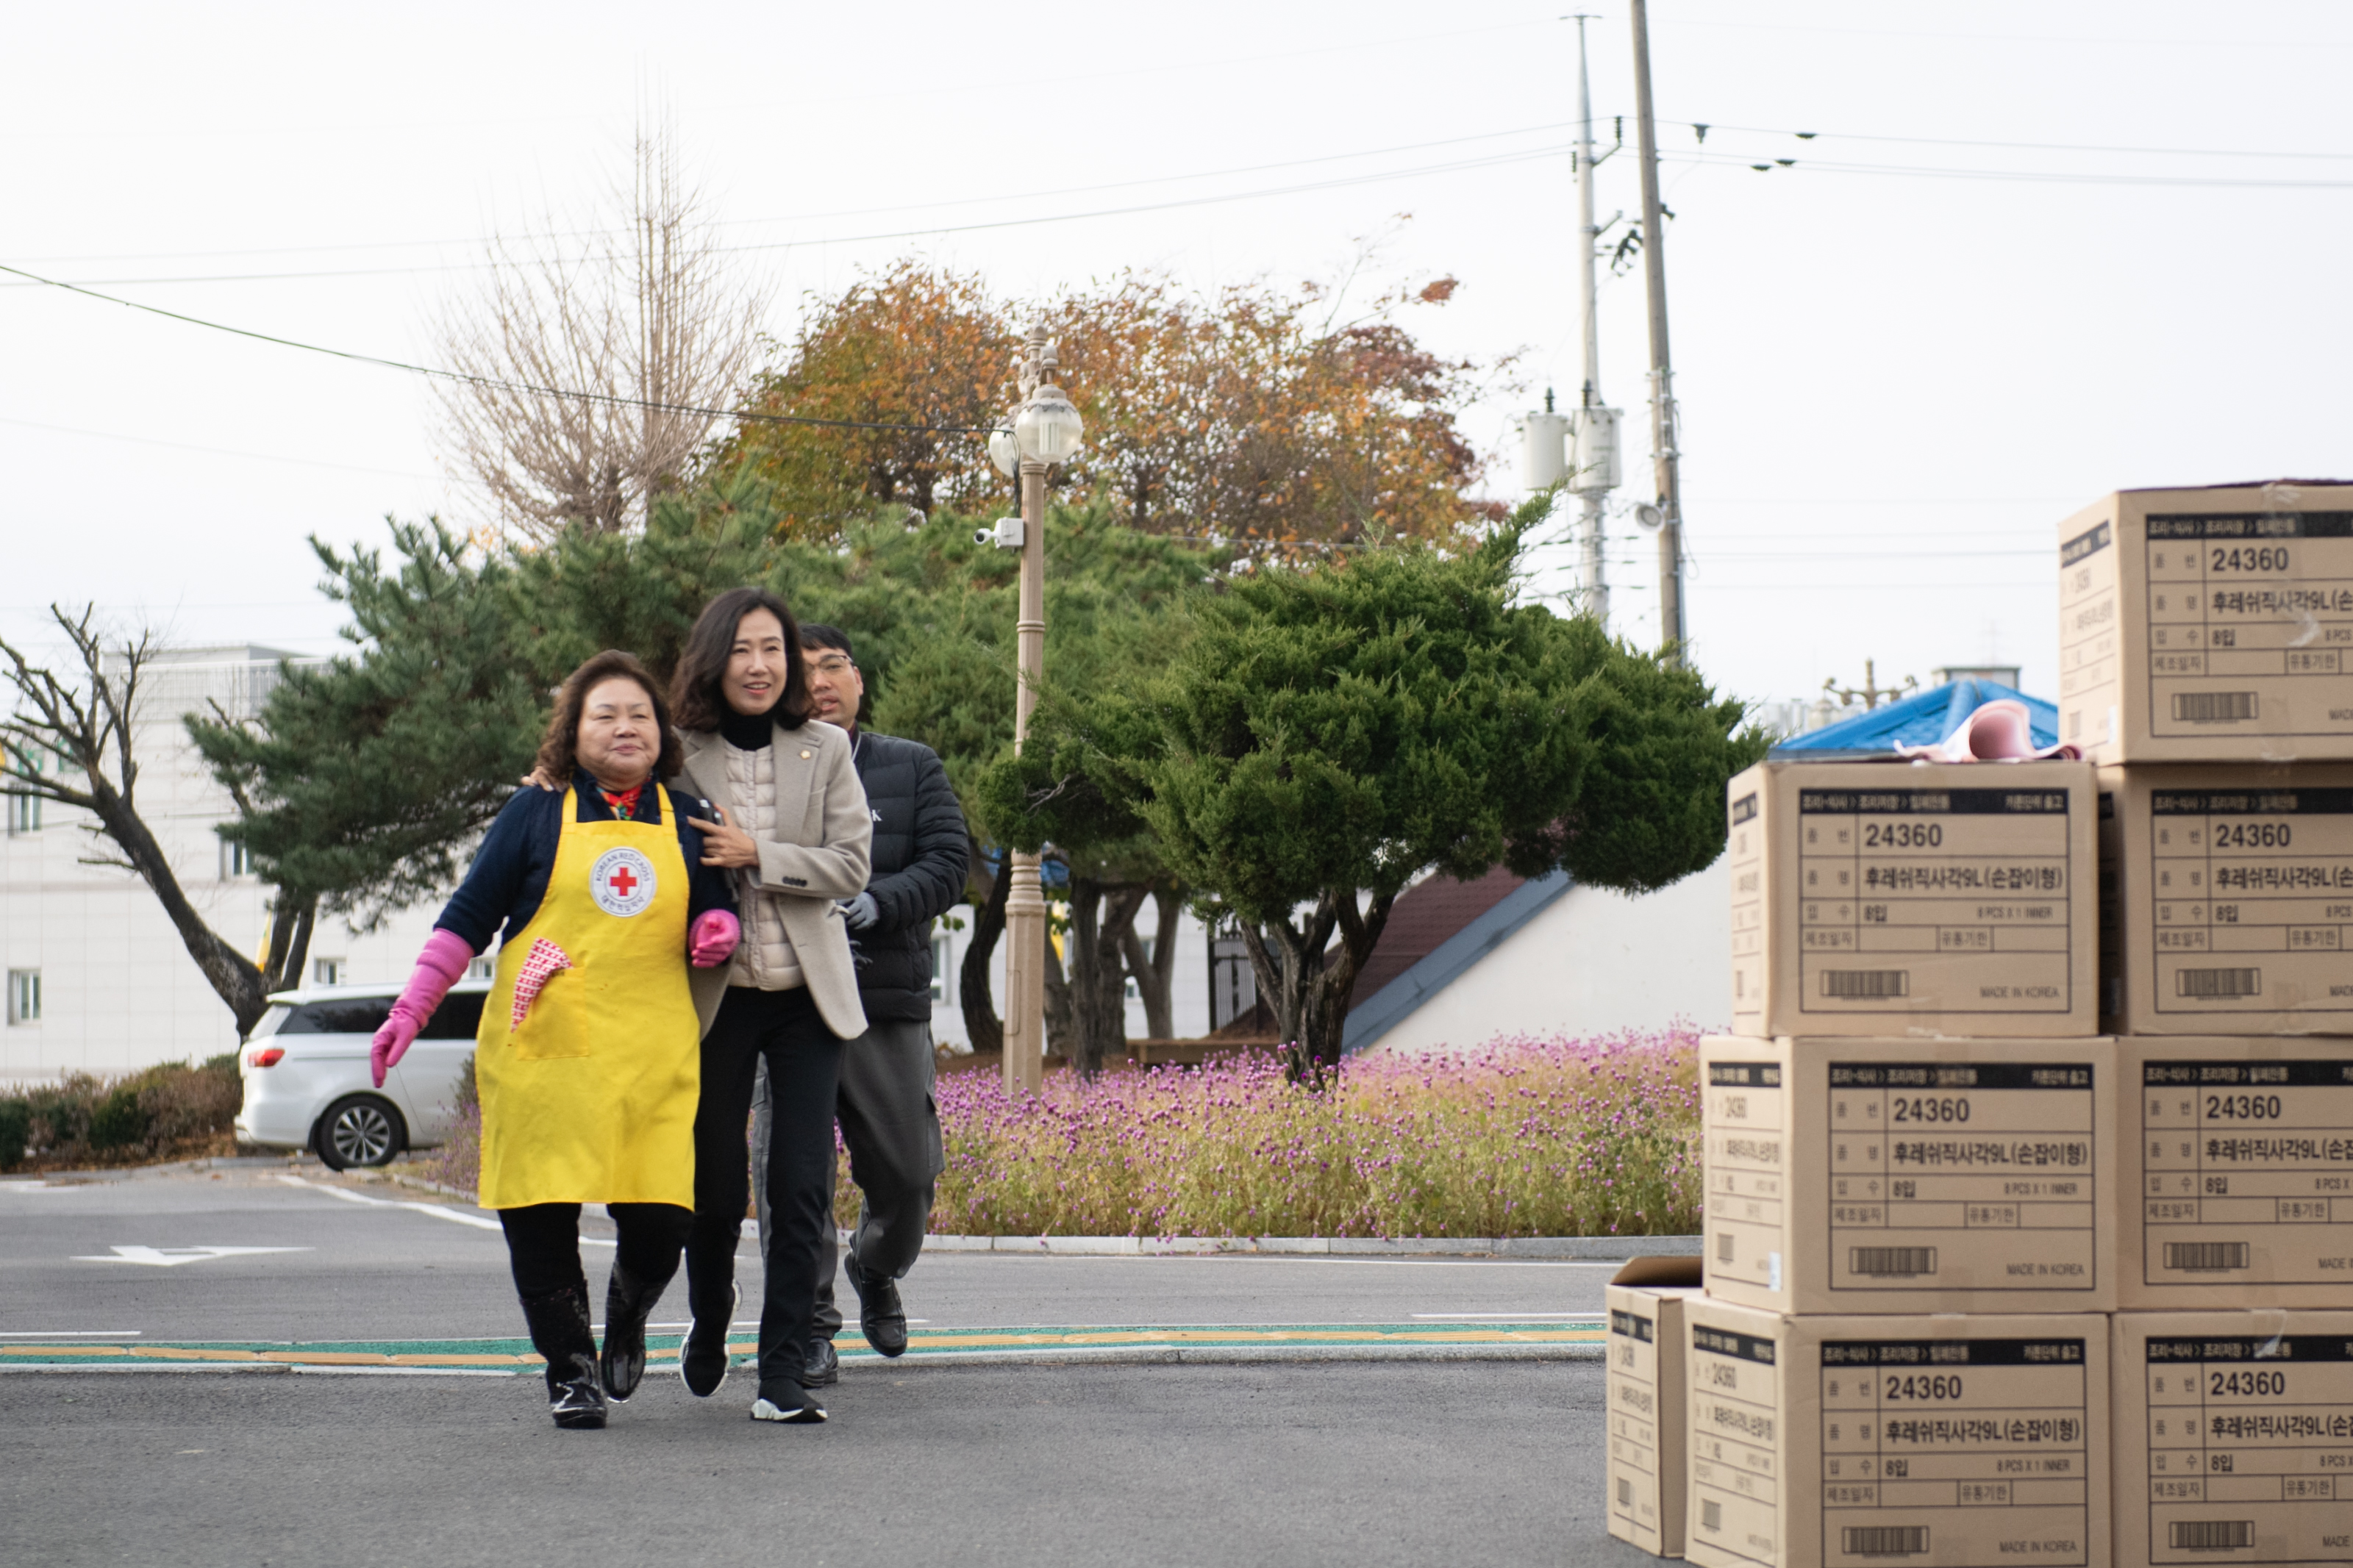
[[1361, 1463], [382, 1269]]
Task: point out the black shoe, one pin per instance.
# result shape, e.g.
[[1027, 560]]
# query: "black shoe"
[[561, 1332], [702, 1360], [628, 1301], [788, 1403], [824, 1368], [880, 1317]]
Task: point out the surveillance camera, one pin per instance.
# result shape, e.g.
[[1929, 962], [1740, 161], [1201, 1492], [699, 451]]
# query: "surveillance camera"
[[984, 536], [1005, 535]]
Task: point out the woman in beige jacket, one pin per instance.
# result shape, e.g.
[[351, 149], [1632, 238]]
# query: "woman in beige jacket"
[[795, 834]]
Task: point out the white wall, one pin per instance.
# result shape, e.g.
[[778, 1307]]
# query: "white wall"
[[1591, 962], [1188, 985]]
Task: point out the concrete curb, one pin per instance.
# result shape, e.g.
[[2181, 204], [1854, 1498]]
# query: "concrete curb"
[[1600, 1248], [1607, 1248]]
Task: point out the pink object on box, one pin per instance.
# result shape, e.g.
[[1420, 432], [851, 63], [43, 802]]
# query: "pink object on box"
[[539, 966], [2001, 731]]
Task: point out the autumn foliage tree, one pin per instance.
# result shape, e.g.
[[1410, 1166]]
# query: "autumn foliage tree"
[[1254, 415]]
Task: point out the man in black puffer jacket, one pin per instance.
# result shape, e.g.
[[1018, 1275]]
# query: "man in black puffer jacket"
[[884, 1107]]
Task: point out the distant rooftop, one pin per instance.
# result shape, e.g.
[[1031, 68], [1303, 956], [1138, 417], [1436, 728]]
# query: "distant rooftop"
[[1921, 719]]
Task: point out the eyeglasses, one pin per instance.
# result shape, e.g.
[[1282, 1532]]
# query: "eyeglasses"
[[833, 665]]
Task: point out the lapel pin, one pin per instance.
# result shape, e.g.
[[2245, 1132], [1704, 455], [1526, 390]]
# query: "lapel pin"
[[805, 755]]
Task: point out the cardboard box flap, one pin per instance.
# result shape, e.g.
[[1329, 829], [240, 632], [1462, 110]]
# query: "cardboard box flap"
[[1662, 1273]]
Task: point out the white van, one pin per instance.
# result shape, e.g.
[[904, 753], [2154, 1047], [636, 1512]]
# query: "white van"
[[307, 1084]]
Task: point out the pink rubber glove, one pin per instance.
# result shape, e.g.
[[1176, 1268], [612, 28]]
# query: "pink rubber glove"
[[712, 940], [439, 967]]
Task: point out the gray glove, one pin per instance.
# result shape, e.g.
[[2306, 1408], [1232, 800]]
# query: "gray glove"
[[862, 911]]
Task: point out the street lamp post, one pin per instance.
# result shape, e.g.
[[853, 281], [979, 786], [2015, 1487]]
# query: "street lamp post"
[[1046, 431]]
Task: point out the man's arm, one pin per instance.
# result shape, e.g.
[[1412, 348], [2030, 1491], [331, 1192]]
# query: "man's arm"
[[933, 881]]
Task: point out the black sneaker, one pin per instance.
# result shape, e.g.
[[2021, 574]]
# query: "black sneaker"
[[880, 1317], [824, 1368], [702, 1359], [789, 1403]]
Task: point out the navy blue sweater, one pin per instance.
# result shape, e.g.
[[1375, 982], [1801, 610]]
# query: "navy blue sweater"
[[508, 880]]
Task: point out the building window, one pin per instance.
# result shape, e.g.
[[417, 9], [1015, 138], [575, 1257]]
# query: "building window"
[[942, 993], [24, 997], [235, 861], [24, 815], [486, 967], [326, 971]]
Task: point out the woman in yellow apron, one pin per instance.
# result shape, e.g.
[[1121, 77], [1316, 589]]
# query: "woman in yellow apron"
[[589, 1058]]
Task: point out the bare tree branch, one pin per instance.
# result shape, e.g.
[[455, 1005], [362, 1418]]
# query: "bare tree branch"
[[644, 311]]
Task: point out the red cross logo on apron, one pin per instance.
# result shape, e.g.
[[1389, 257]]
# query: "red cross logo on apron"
[[622, 883]]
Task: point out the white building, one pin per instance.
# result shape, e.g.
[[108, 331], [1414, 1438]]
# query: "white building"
[[99, 980]]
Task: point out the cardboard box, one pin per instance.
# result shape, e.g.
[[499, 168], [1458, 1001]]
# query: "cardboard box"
[[2234, 1438], [2226, 900], [2239, 1154], [2209, 626], [1962, 1442], [1648, 1401], [1884, 898], [1910, 1175]]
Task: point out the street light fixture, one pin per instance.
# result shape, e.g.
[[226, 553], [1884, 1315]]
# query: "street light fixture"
[[1047, 430]]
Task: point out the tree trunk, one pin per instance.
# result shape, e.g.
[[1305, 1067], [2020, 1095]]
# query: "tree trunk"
[[1060, 1032], [1103, 919], [291, 921], [1311, 999], [981, 1024], [1154, 977]]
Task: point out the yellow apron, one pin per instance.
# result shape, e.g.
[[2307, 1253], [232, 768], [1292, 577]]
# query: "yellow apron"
[[592, 1098]]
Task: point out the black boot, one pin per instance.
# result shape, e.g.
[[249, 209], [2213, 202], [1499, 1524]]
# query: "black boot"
[[628, 1301], [702, 1359], [880, 1316], [824, 1366], [559, 1331]]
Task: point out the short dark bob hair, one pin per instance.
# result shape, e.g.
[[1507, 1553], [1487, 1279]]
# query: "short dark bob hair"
[[559, 748], [694, 690]]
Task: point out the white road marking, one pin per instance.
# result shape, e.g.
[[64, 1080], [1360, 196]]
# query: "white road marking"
[[173, 1257], [438, 1211]]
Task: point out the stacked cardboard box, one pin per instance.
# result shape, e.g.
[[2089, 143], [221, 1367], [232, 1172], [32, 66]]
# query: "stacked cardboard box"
[[2205, 637], [1984, 1285]]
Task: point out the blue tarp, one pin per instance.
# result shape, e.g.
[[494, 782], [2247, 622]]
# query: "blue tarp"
[[1921, 719]]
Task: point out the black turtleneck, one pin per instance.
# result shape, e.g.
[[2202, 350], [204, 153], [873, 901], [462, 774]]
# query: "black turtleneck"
[[747, 731]]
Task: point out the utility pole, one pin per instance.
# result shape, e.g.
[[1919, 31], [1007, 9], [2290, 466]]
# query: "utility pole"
[[1662, 386], [1593, 582]]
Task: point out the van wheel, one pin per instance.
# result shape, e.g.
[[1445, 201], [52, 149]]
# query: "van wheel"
[[359, 1130]]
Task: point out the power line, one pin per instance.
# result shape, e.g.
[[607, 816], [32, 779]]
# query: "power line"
[[2054, 177], [1457, 166], [2009, 146], [608, 399], [215, 451], [810, 218]]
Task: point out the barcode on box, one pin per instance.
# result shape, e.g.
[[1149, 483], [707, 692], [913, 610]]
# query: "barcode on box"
[[1866, 984], [1886, 1540], [2213, 707], [1625, 1492], [1724, 1247], [2210, 1534], [1711, 1514], [1885, 1262], [2206, 983], [2206, 1256]]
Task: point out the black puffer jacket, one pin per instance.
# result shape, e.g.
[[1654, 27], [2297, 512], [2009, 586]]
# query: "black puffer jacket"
[[919, 850]]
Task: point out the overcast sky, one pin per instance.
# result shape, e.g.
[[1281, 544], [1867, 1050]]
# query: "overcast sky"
[[2034, 252]]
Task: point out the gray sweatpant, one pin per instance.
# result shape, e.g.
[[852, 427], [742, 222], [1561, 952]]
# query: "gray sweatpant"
[[893, 1131]]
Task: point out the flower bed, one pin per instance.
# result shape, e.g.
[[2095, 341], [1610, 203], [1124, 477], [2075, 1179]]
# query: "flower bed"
[[1532, 1137]]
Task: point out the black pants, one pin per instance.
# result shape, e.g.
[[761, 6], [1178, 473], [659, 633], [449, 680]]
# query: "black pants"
[[783, 1030], [892, 1128], [544, 1245]]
